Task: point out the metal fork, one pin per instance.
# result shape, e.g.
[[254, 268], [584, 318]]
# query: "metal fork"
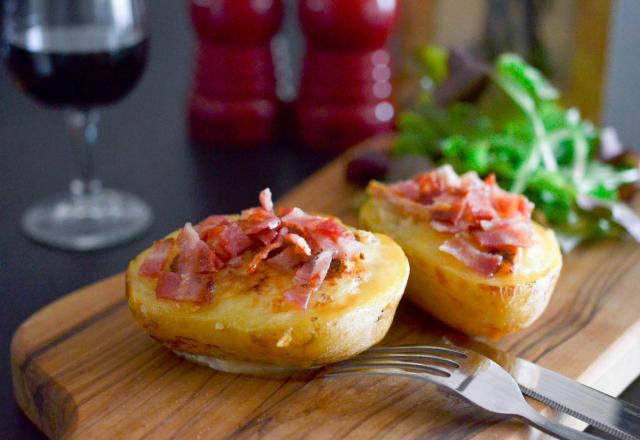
[[468, 374]]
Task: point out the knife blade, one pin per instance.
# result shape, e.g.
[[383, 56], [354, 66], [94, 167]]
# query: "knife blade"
[[611, 415]]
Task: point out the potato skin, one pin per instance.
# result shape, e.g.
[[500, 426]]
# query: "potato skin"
[[455, 294], [352, 311]]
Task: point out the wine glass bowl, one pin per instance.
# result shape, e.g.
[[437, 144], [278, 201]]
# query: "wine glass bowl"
[[79, 55], [79, 66]]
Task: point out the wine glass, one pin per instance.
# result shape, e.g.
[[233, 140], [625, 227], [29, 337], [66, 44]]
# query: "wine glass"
[[78, 55]]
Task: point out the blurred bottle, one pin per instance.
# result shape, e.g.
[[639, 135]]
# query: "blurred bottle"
[[233, 101], [345, 89]]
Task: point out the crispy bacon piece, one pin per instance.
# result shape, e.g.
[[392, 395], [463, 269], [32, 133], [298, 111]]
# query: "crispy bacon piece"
[[195, 256], [299, 220], [168, 284], [195, 288], [330, 235], [308, 279], [322, 233], [406, 206], [285, 260], [482, 262], [503, 234], [232, 241], [264, 253], [299, 243], [448, 208], [212, 225], [265, 199], [297, 240], [434, 183], [408, 189], [469, 208], [479, 206], [510, 205], [331, 228], [255, 220], [157, 258], [188, 237], [198, 259], [267, 236]]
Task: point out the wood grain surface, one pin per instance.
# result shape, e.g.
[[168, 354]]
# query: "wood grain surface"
[[82, 368]]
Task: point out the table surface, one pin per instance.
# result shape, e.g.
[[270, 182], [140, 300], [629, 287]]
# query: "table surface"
[[143, 147]]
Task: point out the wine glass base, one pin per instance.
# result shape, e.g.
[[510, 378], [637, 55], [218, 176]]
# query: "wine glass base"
[[87, 222]]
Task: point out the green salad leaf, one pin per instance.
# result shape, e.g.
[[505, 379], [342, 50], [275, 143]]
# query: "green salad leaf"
[[517, 130]]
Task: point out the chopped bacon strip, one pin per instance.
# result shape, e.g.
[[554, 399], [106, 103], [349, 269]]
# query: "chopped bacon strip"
[[157, 257], [504, 234], [510, 205], [408, 189], [299, 220], [448, 208], [233, 240], [266, 236], [265, 199], [314, 270], [188, 237], [322, 233], [285, 260], [479, 205], [330, 235], [467, 207], [299, 243], [196, 255], [186, 287], [434, 183], [295, 240], [331, 228], [308, 279], [255, 220], [406, 206], [198, 259], [482, 262], [263, 254], [168, 284], [211, 225]]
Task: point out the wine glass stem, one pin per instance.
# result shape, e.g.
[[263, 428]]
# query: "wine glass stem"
[[83, 130]]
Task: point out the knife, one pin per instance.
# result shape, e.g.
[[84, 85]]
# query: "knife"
[[611, 415]]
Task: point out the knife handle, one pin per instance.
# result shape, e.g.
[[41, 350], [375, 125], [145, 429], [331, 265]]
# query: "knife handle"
[[550, 427]]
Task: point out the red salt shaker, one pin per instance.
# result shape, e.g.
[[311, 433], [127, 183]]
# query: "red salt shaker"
[[233, 100], [345, 89]]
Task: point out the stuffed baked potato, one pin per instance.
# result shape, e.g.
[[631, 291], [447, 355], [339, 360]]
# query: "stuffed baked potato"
[[254, 315], [486, 300]]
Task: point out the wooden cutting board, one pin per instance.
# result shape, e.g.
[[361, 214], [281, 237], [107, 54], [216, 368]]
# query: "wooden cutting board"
[[82, 368]]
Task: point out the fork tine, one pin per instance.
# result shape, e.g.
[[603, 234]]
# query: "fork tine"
[[373, 372], [409, 357], [479, 380], [426, 349], [366, 365]]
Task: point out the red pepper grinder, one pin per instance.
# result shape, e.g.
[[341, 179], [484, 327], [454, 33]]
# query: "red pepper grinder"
[[345, 89], [233, 100]]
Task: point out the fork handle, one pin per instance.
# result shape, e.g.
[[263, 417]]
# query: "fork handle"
[[555, 429]]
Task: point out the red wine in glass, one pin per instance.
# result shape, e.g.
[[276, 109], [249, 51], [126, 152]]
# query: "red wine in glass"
[[79, 66], [79, 55]]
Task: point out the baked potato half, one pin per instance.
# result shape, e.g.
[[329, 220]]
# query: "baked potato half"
[[248, 327], [449, 290]]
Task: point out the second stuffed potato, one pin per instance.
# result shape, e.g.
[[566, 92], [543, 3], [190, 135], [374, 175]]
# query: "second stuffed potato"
[[453, 276]]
